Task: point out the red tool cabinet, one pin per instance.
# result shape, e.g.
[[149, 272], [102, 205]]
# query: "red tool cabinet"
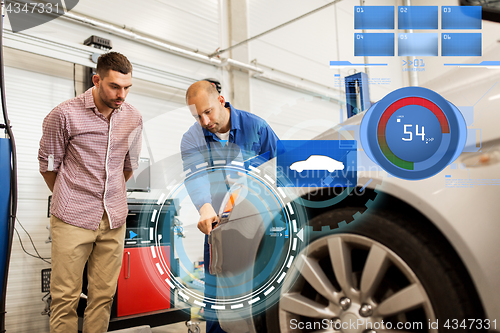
[[138, 292]]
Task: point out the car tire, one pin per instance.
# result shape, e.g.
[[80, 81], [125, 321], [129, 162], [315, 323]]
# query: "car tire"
[[385, 266]]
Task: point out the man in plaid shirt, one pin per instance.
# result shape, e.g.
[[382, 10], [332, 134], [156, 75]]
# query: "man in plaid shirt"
[[89, 149]]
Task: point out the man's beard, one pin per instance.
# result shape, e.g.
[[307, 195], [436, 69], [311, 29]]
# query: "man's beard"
[[214, 130], [110, 104]]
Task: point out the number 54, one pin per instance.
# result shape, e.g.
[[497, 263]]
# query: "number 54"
[[406, 126]]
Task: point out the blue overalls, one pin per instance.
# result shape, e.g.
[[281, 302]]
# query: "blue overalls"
[[249, 136]]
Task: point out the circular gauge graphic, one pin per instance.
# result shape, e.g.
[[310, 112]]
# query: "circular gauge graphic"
[[413, 133], [251, 249]]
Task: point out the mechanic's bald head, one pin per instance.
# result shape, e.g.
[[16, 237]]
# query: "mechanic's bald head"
[[202, 86], [208, 107]]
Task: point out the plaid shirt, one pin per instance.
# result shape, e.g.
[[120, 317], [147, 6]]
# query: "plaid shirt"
[[89, 154]]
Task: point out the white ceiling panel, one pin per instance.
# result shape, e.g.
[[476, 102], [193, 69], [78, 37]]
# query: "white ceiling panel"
[[190, 23]]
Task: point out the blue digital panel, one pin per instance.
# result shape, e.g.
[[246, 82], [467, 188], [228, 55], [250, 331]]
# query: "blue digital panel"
[[461, 44], [375, 44], [317, 163], [461, 17], [373, 17], [417, 17], [418, 44]]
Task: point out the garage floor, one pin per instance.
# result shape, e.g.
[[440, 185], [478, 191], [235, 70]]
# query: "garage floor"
[[176, 328]]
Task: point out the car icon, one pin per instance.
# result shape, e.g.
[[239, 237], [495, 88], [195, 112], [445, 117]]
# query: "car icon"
[[317, 162]]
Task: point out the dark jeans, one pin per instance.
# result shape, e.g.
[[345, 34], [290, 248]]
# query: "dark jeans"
[[210, 291]]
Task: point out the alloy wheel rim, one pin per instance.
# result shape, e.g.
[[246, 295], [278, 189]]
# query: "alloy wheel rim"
[[346, 278]]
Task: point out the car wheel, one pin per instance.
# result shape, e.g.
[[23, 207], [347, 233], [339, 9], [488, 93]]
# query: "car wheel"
[[381, 274]]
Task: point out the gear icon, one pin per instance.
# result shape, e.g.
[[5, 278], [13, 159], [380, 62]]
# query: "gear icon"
[[356, 197], [321, 227]]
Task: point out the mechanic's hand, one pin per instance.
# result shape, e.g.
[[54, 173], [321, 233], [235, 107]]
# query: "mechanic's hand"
[[231, 181], [207, 217]]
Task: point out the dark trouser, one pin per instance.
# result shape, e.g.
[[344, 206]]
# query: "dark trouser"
[[210, 291]]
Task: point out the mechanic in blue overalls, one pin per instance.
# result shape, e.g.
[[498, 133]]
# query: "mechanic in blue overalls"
[[221, 133]]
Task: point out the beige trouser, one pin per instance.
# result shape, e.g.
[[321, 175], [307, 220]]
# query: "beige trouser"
[[71, 248]]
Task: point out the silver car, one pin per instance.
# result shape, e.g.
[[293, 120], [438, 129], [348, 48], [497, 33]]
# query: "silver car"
[[397, 255]]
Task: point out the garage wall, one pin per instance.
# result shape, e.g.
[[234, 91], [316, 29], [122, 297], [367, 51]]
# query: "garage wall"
[[291, 114], [297, 42], [163, 20], [190, 23], [294, 54], [30, 96]]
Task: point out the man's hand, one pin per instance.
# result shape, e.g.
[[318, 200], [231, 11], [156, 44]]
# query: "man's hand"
[[207, 217], [127, 174], [50, 179]]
